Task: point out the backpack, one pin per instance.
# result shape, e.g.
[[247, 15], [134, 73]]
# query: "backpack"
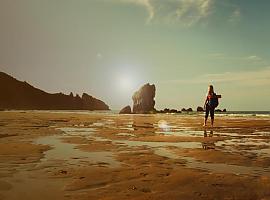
[[213, 101]]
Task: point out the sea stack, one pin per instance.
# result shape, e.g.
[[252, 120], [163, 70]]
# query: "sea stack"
[[143, 99]]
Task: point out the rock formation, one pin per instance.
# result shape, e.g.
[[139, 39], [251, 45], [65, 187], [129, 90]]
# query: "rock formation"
[[125, 110], [22, 96], [143, 99], [200, 109], [167, 110], [189, 110]]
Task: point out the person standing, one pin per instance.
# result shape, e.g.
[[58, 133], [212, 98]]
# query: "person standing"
[[211, 102]]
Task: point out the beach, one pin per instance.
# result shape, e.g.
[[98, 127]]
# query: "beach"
[[87, 155]]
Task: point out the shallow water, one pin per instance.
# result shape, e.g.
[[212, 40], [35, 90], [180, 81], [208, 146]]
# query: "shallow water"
[[69, 154], [131, 143]]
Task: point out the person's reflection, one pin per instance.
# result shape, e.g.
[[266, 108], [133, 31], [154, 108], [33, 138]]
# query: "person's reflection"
[[211, 134], [143, 125], [208, 144]]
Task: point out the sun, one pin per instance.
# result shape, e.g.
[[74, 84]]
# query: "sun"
[[125, 83]]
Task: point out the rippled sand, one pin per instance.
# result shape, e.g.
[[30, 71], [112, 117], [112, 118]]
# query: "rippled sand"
[[105, 156]]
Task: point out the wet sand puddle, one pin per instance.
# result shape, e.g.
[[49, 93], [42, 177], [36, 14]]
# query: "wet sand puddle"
[[69, 154], [215, 167], [257, 143]]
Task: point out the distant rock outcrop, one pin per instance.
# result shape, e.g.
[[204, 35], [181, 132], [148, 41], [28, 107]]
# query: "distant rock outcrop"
[[189, 110], [200, 109], [125, 110], [167, 110], [143, 99], [22, 96]]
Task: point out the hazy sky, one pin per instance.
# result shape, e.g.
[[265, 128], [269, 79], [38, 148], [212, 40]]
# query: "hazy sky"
[[108, 48]]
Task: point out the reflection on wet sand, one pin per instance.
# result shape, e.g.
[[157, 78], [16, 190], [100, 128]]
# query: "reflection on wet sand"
[[208, 144]]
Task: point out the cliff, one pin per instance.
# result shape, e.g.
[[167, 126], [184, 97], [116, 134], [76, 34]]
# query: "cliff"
[[20, 95]]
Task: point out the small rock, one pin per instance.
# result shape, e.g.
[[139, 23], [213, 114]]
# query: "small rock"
[[145, 190], [189, 110], [200, 109], [125, 110], [134, 187], [63, 172]]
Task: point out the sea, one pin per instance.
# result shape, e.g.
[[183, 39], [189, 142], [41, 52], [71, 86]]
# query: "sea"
[[259, 114]]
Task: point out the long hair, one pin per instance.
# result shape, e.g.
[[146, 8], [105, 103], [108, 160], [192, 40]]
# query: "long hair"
[[210, 90]]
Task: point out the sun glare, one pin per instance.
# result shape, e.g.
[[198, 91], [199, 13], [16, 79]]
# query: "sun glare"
[[125, 83]]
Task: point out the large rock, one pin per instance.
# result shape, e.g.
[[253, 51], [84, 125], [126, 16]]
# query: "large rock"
[[126, 110], [143, 99]]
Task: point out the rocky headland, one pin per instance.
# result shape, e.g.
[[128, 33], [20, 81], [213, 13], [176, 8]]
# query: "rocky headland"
[[20, 95]]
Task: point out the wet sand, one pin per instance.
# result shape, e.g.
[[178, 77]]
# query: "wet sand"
[[53, 155]]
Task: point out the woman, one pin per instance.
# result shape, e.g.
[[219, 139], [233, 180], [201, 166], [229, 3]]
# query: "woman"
[[210, 104]]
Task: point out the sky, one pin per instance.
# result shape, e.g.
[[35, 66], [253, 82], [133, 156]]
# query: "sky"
[[109, 48]]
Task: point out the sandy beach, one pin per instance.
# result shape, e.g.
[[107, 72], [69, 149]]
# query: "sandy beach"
[[54, 155]]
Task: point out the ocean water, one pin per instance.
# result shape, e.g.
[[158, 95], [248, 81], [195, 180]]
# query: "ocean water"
[[245, 113], [194, 113]]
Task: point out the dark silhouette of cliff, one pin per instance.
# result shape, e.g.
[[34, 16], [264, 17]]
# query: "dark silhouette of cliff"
[[20, 95]]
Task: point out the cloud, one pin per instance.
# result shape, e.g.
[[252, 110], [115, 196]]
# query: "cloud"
[[247, 78], [217, 55], [253, 58], [144, 3], [186, 12], [235, 16]]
